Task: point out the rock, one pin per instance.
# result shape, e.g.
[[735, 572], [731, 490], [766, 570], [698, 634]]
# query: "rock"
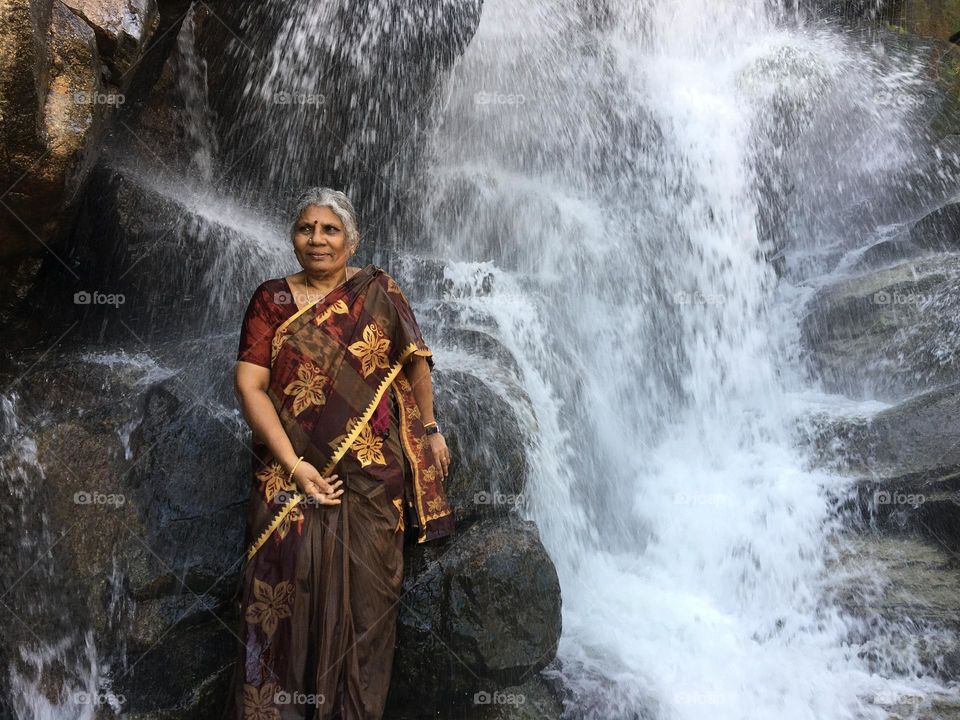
[[150, 483], [917, 607], [488, 468], [154, 560], [503, 610], [125, 236], [189, 481], [47, 150], [887, 334], [55, 102], [480, 612], [908, 462], [185, 676], [533, 700], [939, 230], [122, 30]]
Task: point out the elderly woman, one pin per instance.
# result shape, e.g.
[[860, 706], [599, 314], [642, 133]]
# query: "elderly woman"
[[333, 376]]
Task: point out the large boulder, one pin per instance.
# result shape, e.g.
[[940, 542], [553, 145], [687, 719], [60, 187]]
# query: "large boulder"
[[147, 475], [122, 29], [480, 613], [56, 92], [146, 469]]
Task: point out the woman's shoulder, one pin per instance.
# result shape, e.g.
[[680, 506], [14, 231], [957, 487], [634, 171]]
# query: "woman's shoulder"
[[383, 277], [271, 285], [272, 294]]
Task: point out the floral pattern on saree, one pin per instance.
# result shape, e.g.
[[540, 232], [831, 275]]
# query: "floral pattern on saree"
[[331, 369]]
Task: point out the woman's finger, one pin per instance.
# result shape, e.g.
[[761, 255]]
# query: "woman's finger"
[[327, 485]]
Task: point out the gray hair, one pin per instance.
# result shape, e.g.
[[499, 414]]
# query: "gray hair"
[[337, 201]]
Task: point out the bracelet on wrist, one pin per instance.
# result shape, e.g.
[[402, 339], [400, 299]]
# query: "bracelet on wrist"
[[294, 469]]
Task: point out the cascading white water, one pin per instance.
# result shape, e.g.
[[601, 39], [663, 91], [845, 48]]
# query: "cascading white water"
[[603, 165], [605, 168]]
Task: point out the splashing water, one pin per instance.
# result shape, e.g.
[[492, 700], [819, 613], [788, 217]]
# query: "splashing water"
[[628, 171], [630, 175]]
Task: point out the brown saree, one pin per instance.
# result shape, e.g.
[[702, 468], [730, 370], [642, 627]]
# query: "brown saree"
[[320, 587]]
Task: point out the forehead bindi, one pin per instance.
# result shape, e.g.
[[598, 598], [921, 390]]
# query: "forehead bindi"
[[321, 216]]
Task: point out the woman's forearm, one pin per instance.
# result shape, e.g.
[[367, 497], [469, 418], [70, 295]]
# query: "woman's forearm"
[[261, 415], [418, 373]]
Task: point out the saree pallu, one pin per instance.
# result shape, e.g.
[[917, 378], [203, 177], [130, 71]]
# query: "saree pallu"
[[320, 586]]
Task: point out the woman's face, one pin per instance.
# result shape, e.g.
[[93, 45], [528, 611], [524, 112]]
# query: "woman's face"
[[320, 241]]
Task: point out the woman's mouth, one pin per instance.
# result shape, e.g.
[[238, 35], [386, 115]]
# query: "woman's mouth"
[[317, 256]]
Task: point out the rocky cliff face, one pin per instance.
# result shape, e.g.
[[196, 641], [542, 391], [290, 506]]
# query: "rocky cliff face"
[[65, 70]]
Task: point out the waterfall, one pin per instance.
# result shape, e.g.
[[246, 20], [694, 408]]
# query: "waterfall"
[[48, 643], [636, 198], [192, 85], [627, 176]]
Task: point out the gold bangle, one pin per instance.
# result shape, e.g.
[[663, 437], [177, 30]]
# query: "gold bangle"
[[430, 424], [293, 470]]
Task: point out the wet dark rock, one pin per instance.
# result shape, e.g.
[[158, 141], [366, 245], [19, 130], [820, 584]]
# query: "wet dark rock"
[[919, 604], [480, 613], [939, 229], [185, 675], [886, 334], [488, 468], [908, 461], [155, 569]]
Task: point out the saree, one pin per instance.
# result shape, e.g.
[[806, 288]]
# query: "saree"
[[320, 586]]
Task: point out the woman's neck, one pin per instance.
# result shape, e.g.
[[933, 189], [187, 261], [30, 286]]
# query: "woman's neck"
[[326, 281]]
